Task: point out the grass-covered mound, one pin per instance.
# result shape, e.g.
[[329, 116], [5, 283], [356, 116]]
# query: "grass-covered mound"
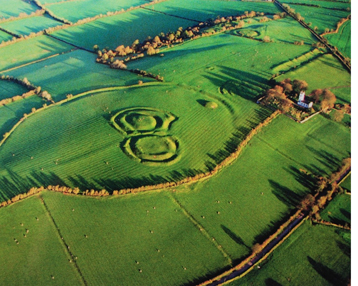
[[211, 105], [97, 159], [249, 33], [152, 149], [135, 120]]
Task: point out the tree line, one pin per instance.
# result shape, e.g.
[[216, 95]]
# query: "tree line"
[[33, 90]]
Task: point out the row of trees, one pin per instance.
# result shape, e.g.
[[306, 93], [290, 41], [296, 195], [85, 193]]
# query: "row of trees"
[[22, 15], [33, 90], [326, 189], [151, 46]]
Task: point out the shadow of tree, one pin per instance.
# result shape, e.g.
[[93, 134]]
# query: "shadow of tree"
[[327, 273], [284, 194], [271, 282], [234, 236]]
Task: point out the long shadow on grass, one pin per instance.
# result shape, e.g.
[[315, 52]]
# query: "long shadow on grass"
[[346, 249], [284, 194], [326, 159], [13, 184], [305, 179], [327, 273], [271, 282], [234, 236]]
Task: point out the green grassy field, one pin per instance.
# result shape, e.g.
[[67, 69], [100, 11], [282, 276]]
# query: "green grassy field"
[[15, 7], [201, 10], [30, 25], [11, 113], [320, 17], [201, 143], [338, 210], [5, 37], [347, 183], [39, 255], [266, 174], [122, 29], [312, 255], [342, 39], [122, 133], [77, 67], [147, 228], [9, 89], [322, 4], [41, 47], [280, 31], [324, 72], [222, 63], [90, 8]]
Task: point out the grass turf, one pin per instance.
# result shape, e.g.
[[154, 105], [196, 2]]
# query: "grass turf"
[[201, 10], [322, 4], [40, 47], [90, 8], [15, 7], [324, 72], [312, 255], [338, 210], [77, 68], [320, 17], [30, 25], [84, 165], [342, 39], [122, 29], [38, 256], [9, 89], [5, 37], [146, 232], [267, 174]]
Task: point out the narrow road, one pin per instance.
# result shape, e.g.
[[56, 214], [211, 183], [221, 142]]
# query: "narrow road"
[[331, 48], [262, 253], [271, 245]]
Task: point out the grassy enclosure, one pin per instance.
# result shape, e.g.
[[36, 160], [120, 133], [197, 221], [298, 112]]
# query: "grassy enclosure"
[[324, 72], [41, 47], [342, 39], [321, 18], [86, 160], [90, 8], [15, 7], [9, 89], [202, 10], [30, 25], [267, 173], [77, 67], [122, 29], [5, 37], [338, 210], [136, 240], [318, 255], [29, 237]]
